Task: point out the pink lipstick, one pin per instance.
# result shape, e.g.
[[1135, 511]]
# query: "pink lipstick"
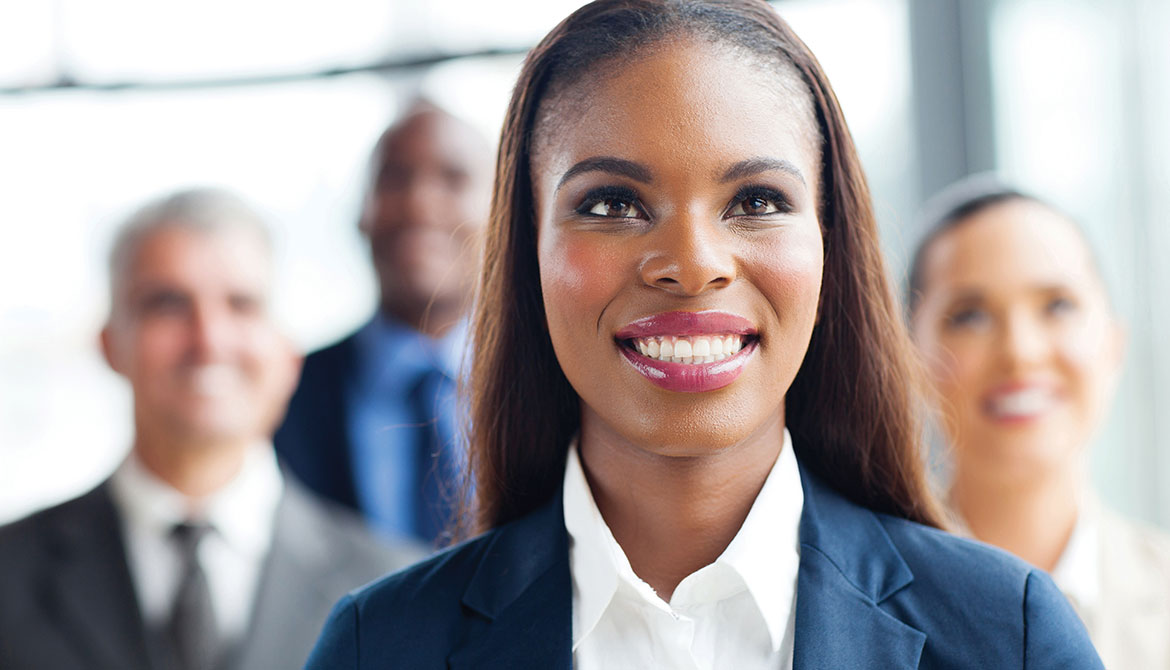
[[689, 352]]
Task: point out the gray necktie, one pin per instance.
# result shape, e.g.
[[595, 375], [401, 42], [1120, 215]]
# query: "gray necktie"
[[192, 627]]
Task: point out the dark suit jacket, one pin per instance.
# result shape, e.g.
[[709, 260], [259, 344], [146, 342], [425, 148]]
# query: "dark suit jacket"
[[67, 600], [873, 591], [313, 442]]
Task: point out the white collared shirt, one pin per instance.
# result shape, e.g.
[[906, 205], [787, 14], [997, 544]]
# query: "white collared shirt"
[[738, 612], [1077, 571], [243, 516]]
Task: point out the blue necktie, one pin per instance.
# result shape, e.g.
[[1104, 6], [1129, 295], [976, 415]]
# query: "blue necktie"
[[438, 475]]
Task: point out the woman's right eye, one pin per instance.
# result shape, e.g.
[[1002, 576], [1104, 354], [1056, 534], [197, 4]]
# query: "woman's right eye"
[[611, 203], [613, 207], [967, 318]]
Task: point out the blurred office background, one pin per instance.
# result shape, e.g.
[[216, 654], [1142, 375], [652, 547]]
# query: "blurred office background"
[[105, 104]]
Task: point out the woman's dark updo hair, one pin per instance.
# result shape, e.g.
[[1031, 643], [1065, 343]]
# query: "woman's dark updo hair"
[[957, 203], [948, 208]]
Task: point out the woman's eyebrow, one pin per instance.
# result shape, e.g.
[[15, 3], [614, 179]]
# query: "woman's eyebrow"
[[754, 166], [610, 164], [966, 296]]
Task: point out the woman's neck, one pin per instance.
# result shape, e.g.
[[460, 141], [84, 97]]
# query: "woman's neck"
[[1032, 519], [673, 515]]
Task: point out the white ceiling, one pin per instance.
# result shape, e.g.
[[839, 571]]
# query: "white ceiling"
[[142, 41]]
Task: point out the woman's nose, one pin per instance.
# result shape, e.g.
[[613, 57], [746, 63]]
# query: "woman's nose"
[[1024, 341], [688, 255]]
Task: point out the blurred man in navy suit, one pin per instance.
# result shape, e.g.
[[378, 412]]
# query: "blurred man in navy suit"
[[373, 423]]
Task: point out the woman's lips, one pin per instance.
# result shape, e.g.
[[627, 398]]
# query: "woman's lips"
[[687, 323], [689, 352]]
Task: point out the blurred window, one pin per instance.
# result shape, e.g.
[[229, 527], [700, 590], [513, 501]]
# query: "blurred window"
[[1081, 107], [75, 162]]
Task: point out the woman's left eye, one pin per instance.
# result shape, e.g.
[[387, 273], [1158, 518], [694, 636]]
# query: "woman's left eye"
[[757, 202], [1060, 305]]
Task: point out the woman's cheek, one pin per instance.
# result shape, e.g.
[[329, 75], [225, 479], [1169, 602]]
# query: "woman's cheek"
[[576, 266], [1082, 342], [789, 274], [575, 272], [579, 277]]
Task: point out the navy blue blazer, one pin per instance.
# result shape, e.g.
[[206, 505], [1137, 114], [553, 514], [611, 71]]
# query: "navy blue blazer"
[[313, 442], [873, 591]]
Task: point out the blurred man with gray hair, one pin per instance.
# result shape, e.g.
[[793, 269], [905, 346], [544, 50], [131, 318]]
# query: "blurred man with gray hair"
[[197, 553]]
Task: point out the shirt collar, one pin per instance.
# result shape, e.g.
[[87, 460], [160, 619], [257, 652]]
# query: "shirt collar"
[[388, 346], [1076, 571], [594, 569], [766, 550], [243, 512], [763, 557]]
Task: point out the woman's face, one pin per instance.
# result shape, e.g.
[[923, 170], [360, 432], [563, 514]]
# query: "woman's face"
[[1020, 340], [679, 248]]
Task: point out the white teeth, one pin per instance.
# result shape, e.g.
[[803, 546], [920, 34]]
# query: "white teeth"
[[689, 349], [212, 380], [702, 347], [1027, 402]]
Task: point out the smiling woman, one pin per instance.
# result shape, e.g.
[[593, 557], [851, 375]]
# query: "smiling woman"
[[693, 431], [1011, 314]]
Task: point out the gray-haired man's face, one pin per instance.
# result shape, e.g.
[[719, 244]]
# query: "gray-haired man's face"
[[191, 332]]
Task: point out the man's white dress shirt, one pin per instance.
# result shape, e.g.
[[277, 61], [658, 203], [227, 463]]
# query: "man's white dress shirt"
[[737, 613], [242, 516]]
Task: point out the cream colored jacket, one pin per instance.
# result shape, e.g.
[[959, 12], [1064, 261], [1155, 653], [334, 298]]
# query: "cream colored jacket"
[[1130, 620], [1116, 573]]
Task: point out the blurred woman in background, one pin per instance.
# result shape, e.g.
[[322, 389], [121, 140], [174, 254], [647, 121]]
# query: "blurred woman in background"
[[694, 431], [1010, 311]]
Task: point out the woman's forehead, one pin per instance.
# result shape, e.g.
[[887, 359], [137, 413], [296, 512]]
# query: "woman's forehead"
[[688, 102], [1012, 244]]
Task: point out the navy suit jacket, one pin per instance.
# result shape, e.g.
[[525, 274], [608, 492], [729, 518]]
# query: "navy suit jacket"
[[873, 591], [313, 442]]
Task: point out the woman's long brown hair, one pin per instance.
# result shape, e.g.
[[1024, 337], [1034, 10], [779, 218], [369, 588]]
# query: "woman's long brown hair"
[[852, 408]]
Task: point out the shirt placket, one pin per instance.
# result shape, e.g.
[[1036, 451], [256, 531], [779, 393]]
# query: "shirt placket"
[[677, 633]]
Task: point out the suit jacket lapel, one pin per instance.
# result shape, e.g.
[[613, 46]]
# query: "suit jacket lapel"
[[90, 587], [314, 438], [521, 594], [848, 566], [521, 598], [298, 582]]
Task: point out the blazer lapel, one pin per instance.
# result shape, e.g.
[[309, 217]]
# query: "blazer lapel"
[[90, 587], [848, 566], [298, 586], [521, 595], [520, 598]]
